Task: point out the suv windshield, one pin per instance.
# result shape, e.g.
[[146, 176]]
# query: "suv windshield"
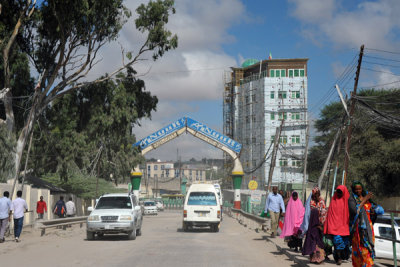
[[202, 198], [114, 203], [149, 204]]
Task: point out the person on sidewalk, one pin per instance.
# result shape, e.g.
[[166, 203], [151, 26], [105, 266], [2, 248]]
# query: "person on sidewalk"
[[313, 244], [41, 208], [293, 219], [337, 224], [274, 204], [361, 209], [5, 214], [19, 207], [60, 208], [70, 208]]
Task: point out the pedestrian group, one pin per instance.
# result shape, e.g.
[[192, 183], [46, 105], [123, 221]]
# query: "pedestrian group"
[[18, 207], [345, 229]]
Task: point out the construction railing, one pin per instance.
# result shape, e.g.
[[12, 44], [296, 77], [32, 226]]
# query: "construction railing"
[[249, 220]]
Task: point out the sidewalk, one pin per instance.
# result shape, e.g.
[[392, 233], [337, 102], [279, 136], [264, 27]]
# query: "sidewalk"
[[302, 261]]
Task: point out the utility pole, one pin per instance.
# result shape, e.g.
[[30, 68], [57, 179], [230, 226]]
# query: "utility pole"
[[303, 189], [353, 103], [274, 151]]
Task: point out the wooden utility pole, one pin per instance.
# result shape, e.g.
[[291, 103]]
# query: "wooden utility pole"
[[274, 151], [303, 189], [353, 104]]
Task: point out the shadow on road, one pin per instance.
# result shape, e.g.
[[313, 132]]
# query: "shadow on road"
[[195, 230], [116, 237]]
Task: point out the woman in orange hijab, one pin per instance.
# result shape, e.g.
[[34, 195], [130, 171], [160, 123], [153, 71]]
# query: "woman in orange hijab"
[[337, 224]]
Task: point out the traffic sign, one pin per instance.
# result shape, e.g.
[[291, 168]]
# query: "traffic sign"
[[253, 185]]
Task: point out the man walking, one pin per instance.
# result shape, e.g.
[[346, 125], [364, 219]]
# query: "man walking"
[[70, 208], [59, 208], [19, 206], [5, 214], [274, 204], [41, 208]]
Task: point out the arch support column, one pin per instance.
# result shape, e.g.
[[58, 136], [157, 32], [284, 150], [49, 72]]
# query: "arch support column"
[[136, 177]]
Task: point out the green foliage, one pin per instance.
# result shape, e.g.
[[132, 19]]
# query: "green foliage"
[[375, 145], [93, 122], [6, 156], [82, 185]]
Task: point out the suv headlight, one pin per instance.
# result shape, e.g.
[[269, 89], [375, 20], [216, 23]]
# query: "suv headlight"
[[125, 218], [93, 218]]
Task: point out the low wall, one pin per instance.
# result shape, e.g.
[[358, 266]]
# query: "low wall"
[[32, 195]]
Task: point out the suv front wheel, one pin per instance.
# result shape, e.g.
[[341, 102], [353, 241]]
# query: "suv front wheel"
[[132, 235], [89, 235]]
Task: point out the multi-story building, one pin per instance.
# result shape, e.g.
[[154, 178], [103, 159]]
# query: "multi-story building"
[[259, 97], [165, 170]]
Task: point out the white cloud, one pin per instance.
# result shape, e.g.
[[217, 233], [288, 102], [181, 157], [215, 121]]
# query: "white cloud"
[[382, 78], [371, 23]]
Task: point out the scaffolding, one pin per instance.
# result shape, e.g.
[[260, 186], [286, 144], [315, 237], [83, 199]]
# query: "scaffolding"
[[249, 111]]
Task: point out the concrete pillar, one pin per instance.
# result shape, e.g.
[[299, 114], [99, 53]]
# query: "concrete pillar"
[[136, 177], [237, 177]]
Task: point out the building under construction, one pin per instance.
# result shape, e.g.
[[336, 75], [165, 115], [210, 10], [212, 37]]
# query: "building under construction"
[[260, 97]]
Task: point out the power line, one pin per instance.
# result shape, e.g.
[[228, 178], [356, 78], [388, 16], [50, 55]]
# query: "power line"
[[384, 51]]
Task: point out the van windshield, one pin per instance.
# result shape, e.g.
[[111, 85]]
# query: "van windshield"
[[114, 203], [202, 198]]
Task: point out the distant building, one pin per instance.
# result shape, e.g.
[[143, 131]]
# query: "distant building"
[[194, 173], [258, 97], [160, 169]]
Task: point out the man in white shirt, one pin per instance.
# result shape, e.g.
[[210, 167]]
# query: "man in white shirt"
[[274, 204], [5, 212], [70, 208], [19, 206]]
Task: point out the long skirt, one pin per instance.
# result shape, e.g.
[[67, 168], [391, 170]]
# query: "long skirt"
[[361, 256]]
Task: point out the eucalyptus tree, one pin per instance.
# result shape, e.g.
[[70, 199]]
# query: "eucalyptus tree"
[[62, 39]]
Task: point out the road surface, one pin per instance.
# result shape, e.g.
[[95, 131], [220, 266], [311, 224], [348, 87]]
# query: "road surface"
[[163, 243]]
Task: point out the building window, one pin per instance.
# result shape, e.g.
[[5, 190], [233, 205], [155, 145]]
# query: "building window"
[[295, 139], [295, 115], [282, 115], [155, 167], [296, 163], [247, 99], [272, 138], [272, 115], [271, 73], [247, 141], [283, 139], [247, 119], [301, 73], [148, 167], [155, 176], [253, 98], [296, 73], [283, 162], [254, 163], [162, 167], [272, 94], [253, 140], [190, 172], [282, 94], [295, 94], [167, 173], [253, 118]]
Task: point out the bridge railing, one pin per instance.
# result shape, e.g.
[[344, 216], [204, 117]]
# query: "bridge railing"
[[249, 220]]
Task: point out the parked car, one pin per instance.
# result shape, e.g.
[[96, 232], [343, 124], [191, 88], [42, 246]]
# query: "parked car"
[[159, 205], [115, 213], [386, 219], [150, 207], [201, 207], [384, 248]]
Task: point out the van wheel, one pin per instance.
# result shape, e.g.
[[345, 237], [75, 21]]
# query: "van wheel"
[[185, 227], [215, 228], [132, 235], [89, 235]]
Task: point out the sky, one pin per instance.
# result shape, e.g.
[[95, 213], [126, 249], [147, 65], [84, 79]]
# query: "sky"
[[214, 35]]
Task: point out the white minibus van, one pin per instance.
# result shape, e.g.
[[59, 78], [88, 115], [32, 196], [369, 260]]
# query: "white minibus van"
[[202, 207]]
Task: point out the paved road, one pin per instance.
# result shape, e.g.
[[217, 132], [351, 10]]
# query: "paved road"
[[162, 244]]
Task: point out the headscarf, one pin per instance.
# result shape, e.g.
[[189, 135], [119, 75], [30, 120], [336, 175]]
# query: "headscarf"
[[314, 235], [337, 221], [306, 219], [319, 204], [315, 190], [293, 217]]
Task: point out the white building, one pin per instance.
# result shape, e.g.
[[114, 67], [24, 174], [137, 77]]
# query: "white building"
[[257, 98]]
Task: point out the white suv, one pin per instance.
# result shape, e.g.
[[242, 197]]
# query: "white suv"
[[115, 213], [202, 207]]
